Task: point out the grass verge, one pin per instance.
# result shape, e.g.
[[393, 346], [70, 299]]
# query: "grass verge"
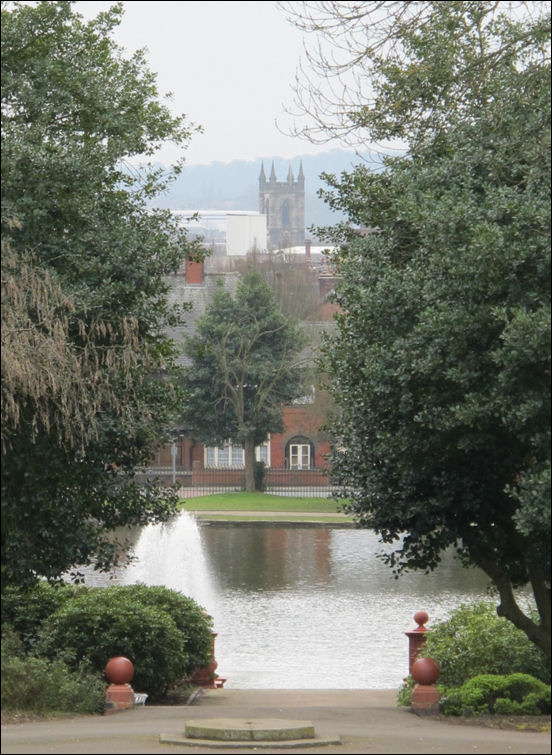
[[260, 502]]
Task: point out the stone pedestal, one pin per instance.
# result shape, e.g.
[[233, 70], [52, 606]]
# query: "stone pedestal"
[[118, 697], [416, 638], [425, 699], [425, 696], [207, 676]]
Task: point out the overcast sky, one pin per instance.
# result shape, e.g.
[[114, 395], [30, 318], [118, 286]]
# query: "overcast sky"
[[229, 65]]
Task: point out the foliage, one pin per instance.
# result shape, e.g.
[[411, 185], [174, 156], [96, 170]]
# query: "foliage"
[[12, 646], [41, 367], [337, 92], [295, 285], [83, 287], [474, 640], [513, 694], [259, 475], [165, 634], [194, 624], [41, 685], [244, 368], [404, 693], [94, 628], [440, 368], [25, 610]]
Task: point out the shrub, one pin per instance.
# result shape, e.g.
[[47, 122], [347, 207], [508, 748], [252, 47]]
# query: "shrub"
[[494, 693], [404, 695], [102, 623], [43, 685], [259, 474], [474, 640], [26, 609], [195, 625], [12, 645]]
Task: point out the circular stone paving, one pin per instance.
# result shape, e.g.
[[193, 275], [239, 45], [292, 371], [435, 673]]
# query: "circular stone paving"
[[260, 732]]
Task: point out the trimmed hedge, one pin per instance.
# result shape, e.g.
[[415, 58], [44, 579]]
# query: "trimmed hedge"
[[99, 625], [165, 634], [513, 694], [475, 640], [195, 625], [25, 610]]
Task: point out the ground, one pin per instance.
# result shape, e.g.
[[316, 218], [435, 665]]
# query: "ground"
[[518, 723]]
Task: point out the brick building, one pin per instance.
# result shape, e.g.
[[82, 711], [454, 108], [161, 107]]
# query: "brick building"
[[297, 456]]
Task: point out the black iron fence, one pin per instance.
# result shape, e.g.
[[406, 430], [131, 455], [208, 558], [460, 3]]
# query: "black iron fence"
[[284, 482]]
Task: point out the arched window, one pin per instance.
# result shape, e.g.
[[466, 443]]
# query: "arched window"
[[299, 453], [285, 214]]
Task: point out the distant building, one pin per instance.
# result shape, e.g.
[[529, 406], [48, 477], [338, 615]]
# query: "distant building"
[[229, 233], [283, 203]]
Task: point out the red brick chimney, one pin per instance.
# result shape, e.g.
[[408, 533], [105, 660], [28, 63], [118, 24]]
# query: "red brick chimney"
[[194, 272]]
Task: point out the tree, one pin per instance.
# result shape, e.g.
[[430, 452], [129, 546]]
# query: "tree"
[[441, 364], [244, 368], [83, 289], [294, 284]]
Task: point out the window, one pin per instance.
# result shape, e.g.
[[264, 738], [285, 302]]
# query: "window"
[[224, 456], [299, 453], [233, 456], [285, 214], [262, 453], [299, 456]]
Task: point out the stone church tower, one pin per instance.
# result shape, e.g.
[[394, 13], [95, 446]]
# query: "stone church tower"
[[283, 203]]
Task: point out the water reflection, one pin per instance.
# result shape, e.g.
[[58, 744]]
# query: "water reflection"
[[267, 558], [298, 607]]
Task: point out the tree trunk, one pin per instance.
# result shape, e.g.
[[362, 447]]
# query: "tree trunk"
[[249, 446], [538, 634]]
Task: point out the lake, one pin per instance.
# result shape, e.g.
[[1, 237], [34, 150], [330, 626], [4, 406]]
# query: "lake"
[[297, 607]]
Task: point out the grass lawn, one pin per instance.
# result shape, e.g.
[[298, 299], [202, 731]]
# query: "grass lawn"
[[259, 502]]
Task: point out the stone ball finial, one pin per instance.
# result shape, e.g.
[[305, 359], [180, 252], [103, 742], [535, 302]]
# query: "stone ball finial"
[[119, 670], [425, 671], [421, 618]]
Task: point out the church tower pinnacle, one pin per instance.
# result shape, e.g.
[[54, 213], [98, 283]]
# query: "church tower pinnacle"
[[283, 203]]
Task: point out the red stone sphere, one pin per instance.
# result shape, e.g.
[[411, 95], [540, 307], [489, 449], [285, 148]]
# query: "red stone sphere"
[[421, 617], [119, 670], [425, 671]]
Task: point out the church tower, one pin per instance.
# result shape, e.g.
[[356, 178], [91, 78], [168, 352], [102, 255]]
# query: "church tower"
[[283, 203]]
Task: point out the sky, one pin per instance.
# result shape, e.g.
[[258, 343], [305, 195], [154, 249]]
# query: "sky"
[[230, 67]]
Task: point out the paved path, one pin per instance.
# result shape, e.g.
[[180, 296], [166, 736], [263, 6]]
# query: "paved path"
[[276, 516], [367, 721]]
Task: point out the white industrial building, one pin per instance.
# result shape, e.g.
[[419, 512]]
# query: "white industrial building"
[[232, 233]]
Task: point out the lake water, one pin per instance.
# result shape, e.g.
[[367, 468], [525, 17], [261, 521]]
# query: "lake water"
[[298, 607]]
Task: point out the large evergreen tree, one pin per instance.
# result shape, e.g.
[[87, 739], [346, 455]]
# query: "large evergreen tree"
[[83, 288], [244, 369], [441, 364]]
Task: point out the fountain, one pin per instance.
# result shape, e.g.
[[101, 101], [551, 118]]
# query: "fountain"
[[297, 608], [172, 555]]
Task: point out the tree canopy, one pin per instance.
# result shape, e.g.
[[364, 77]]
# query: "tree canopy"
[[244, 368], [441, 363], [83, 287]]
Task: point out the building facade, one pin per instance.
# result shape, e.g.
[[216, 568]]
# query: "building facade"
[[283, 203], [296, 457]]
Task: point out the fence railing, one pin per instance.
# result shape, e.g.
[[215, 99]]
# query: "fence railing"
[[285, 482]]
